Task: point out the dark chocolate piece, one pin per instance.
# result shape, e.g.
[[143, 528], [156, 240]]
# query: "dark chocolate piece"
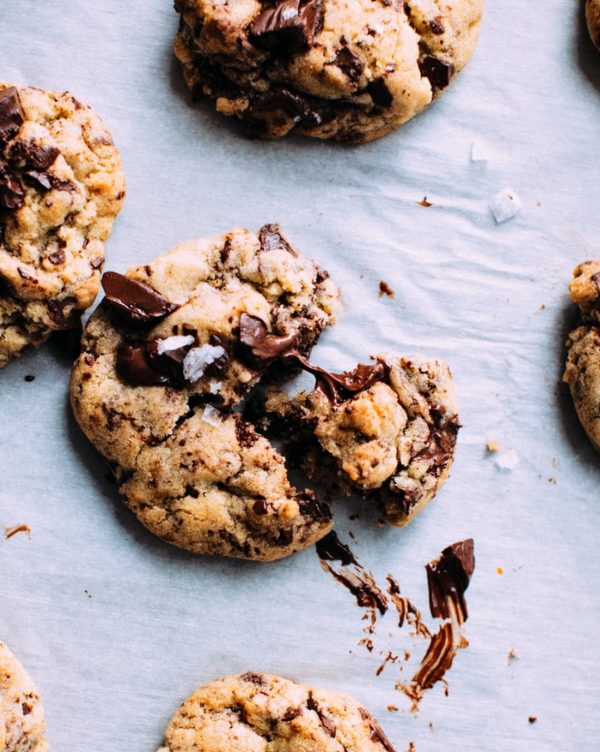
[[12, 116], [311, 507], [261, 348], [326, 722], [286, 27], [350, 64], [377, 734], [139, 301], [271, 239], [11, 193], [331, 548], [449, 577], [380, 94], [135, 366], [27, 154], [437, 71], [40, 180]]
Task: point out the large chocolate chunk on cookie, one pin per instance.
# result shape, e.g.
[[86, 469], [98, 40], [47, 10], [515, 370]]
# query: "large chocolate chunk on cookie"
[[164, 361], [61, 187], [351, 71]]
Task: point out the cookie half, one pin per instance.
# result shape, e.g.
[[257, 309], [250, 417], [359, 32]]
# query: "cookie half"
[[264, 713], [351, 70], [582, 372], [61, 187], [165, 359], [386, 432], [592, 15], [22, 724]]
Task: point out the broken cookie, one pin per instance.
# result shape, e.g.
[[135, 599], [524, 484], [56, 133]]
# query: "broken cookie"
[[164, 363], [259, 712], [61, 187], [350, 71], [385, 431]]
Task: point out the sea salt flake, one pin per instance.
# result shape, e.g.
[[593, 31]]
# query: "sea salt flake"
[[173, 343], [505, 205], [198, 359], [212, 416], [507, 461], [214, 387], [289, 13]]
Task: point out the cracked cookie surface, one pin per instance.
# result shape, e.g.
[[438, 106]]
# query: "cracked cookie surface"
[[350, 70], [61, 187], [162, 366], [22, 724], [386, 432], [265, 713], [582, 372]]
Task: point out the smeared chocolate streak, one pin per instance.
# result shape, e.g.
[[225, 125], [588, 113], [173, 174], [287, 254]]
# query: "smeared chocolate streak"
[[448, 578]]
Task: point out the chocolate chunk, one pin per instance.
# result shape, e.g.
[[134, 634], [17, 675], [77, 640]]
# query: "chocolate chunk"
[[331, 548], [33, 156], [139, 301], [311, 507], [260, 507], [437, 71], [380, 94], [253, 678], [261, 348], [271, 239], [290, 714], [245, 434], [286, 27], [58, 257], [135, 367], [350, 64], [449, 577], [97, 263], [12, 116], [437, 25], [376, 734], [303, 109], [325, 720], [24, 274], [63, 313], [11, 192], [37, 179]]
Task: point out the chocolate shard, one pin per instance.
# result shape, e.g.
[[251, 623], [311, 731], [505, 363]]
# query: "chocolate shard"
[[350, 64], [380, 94], [261, 348], [12, 116], [286, 27], [437, 71], [449, 577], [271, 239], [139, 301], [33, 156], [37, 179], [135, 367], [376, 734], [12, 196]]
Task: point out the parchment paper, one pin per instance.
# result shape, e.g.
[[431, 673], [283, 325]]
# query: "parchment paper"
[[118, 628]]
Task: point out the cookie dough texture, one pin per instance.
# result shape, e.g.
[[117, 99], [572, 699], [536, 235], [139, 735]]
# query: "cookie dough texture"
[[61, 187], [592, 15], [264, 713], [193, 471], [22, 724], [582, 372], [351, 70], [393, 442]]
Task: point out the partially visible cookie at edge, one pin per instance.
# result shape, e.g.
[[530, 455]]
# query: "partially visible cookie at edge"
[[258, 712], [22, 724], [163, 365], [386, 432], [582, 372], [592, 16], [61, 187], [350, 71]]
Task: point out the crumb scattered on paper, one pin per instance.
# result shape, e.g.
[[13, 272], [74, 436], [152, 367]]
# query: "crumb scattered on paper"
[[532, 719], [385, 289], [493, 446], [10, 531], [507, 461], [424, 202], [512, 655], [505, 205]]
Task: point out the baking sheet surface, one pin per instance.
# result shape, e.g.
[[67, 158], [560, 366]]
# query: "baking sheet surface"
[[118, 628]]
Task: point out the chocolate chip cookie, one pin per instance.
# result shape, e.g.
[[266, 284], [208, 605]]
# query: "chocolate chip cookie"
[[61, 187], [592, 15], [385, 431], [582, 372], [172, 349], [264, 713], [22, 724], [347, 70]]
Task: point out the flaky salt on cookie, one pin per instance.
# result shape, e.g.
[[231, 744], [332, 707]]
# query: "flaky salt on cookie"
[[385, 431], [350, 71], [22, 724], [163, 365], [265, 713], [61, 187]]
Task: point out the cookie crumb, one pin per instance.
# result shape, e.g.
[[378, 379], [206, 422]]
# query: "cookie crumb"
[[385, 289], [424, 202], [505, 205], [512, 655], [392, 708], [10, 531], [552, 479], [30, 377], [87, 593], [532, 719], [493, 446], [500, 570]]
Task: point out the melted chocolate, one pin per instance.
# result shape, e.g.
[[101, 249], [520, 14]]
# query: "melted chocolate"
[[339, 386], [331, 548], [136, 367], [350, 64], [286, 27], [437, 71], [261, 348], [12, 116], [448, 578], [139, 301]]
